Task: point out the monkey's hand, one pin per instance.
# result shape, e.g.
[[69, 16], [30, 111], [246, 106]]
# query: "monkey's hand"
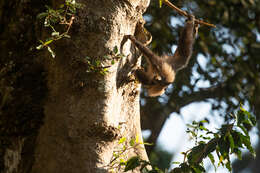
[[129, 37], [125, 38], [191, 18]]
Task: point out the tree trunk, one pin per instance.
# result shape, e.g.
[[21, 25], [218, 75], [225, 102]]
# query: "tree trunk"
[[56, 116]]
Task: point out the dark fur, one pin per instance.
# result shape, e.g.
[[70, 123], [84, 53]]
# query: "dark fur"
[[161, 70]]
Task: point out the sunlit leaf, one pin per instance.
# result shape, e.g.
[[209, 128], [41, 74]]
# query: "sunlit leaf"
[[52, 53], [132, 142], [39, 47], [48, 42], [122, 140], [160, 3], [54, 34]]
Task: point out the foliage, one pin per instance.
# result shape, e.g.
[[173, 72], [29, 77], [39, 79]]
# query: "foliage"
[[96, 65], [119, 161], [231, 138], [62, 16]]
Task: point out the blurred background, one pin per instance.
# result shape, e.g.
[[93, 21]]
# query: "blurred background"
[[224, 72]]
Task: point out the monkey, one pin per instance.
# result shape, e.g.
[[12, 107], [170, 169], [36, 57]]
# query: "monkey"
[[161, 71]]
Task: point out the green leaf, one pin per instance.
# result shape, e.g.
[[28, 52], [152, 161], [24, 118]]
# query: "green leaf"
[[52, 53], [46, 22], [243, 129], [66, 36], [211, 146], [122, 140], [132, 142], [253, 120], [244, 117], [237, 138], [55, 34], [220, 160], [42, 15], [231, 142], [212, 160], [115, 50], [48, 42], [132, 163], [106, 57], [196, 154], [39, 47], [198, 168], [238, 153], [113, 62], [146, 143], [240, 117], [160, 3], [203, 128], [122, 162], [98, 63], [72, 9], [228, 164], [247, 143]]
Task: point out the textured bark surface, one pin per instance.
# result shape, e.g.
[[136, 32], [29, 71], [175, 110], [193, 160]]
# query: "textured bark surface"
[[57, 117]]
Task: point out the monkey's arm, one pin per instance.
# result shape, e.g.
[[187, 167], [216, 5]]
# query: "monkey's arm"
[[183, 52], [151, 57]]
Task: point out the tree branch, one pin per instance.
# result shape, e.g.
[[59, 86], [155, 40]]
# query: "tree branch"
[[184, 13]]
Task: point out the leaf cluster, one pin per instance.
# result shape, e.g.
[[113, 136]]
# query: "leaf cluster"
[[64, 15], [119, 160], [96, 65], [230, 139]]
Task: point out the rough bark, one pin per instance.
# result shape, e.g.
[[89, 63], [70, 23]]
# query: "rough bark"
[[58, 117]]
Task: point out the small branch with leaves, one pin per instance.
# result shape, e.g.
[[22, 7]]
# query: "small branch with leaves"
[[184, 13], [230, 139], [65, 15]]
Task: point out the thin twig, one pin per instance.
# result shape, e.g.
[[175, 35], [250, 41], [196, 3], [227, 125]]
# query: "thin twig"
[[184, 13]]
